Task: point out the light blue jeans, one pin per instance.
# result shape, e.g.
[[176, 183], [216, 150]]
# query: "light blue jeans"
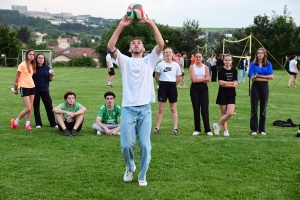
[[242, 76], [136, 121]]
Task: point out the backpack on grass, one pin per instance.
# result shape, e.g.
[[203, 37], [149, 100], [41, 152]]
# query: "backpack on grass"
[[287, 123]]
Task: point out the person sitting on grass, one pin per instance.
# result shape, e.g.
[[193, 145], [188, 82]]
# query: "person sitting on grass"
[[69, 115], [107, 119]]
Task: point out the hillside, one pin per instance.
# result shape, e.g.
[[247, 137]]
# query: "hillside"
[[15, 20]]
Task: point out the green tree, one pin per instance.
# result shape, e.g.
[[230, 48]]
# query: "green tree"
[[23, 34], [9, 44], [137, 30], [190, 36]]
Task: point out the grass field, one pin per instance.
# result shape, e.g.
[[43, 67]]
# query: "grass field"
[[43, 164]]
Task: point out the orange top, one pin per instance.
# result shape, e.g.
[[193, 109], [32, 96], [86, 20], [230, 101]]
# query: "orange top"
[[192, 60], [25, 80]]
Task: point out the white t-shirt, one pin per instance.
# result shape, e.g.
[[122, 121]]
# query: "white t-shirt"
[[108, 59], [137, 80], [292, 66], [199, 71], [211, 61], [168, 71]]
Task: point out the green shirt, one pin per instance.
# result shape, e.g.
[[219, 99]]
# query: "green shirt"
[[75, 108], [109, 116]]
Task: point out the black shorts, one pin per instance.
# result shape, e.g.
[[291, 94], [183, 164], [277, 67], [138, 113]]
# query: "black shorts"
[[27, 91], [70, 125], [293, 73], [112, 72], [225, 100], [182, 74], [167, 90]]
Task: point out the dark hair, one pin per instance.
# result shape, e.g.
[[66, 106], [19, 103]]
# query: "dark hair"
[[292, 57], [183, 53], [109, 94], [265, 60], [136, 38], [32, 62], [36, 59], [199, 52], [69, 93]]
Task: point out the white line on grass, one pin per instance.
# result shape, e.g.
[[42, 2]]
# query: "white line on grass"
[[249, 139], [273, 106]]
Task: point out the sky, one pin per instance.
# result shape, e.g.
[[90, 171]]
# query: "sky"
[[209, 13]]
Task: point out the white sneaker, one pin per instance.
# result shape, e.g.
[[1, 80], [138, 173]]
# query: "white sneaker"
[[56, 126], [128, 176], [38, 126], [226, 133], [99, 133], [216, 128], [118, 133], [209, 133], [253, 133], [263, 133], [196, 133], [142, 182], [178, 86]]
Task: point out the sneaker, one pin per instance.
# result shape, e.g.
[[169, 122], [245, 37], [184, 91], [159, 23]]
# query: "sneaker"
[[209, 133], [196, 133], [174, 132], [185, 86], [263, 133], [38, 126], [295, 86], [28, 127], [128, 176], [12, 124], [99, 133], [73, 132], [226, 133], [56, 126], [178, 86], [66, 132], [109, 86], [118, 133], [298, 133], [216, 128], [155, 131], [253, 133], [142, 182]]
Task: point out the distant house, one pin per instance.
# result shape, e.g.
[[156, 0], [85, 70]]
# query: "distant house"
[[69, 53], [64, 42], [228, 35]]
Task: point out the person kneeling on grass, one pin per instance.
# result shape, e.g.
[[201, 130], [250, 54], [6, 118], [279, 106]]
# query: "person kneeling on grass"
[[69, 115], [107, 119]]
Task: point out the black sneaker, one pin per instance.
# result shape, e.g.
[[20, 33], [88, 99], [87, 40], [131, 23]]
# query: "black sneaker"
[[298, 134], [66, 132], [73, 132]]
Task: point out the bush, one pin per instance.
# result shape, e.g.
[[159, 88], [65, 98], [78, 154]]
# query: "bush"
[[82, 61], [62, 63]]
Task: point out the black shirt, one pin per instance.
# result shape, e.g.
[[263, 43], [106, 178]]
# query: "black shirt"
[[227, 75]]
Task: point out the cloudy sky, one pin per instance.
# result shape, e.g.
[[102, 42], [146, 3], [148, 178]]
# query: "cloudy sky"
[[210, 13]]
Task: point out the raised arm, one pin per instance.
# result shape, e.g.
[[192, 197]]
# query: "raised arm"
[[114, 38], [159, 40]]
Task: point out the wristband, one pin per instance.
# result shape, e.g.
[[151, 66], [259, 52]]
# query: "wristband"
[[112, 52]]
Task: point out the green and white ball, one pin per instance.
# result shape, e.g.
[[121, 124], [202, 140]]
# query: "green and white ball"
[[135, 11]]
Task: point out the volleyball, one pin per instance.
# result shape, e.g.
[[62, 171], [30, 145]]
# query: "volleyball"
[[135, 11]]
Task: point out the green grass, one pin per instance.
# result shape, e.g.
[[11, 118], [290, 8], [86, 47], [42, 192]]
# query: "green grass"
[[43, 164]]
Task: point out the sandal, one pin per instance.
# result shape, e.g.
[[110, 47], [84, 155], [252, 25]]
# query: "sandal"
[[155, 131], [174, 132]]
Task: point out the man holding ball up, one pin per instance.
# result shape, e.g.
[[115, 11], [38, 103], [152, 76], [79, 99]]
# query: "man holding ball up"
[[138, 94]]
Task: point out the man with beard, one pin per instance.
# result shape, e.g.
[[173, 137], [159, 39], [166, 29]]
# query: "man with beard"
[[138, 94], [69, 115]]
